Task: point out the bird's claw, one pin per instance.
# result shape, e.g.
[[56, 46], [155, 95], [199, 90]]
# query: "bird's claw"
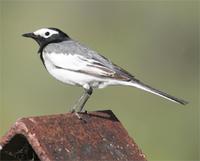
[[79, 117], [72, 111]]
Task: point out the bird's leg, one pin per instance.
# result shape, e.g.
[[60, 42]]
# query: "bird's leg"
[[82, 100], [86, 96], [77, 103]]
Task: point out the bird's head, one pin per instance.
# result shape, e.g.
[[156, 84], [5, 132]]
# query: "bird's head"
[[44, 36]]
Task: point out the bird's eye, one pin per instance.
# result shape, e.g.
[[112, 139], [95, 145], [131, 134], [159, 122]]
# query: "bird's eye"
[[47, 33]]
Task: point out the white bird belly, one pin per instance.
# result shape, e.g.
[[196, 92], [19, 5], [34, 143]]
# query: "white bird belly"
[[74, 77]]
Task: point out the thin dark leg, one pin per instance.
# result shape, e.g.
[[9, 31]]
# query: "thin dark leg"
[[87, 95], [82, 100], [76, 105]]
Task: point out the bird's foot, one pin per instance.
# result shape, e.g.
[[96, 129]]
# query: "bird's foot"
[[84, 111], [79, 117], [72, 110]]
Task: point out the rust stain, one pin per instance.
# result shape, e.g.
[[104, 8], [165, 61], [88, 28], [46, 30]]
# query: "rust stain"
[[62, 137]]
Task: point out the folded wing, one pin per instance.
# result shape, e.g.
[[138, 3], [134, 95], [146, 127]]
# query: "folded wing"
[[76, 57]]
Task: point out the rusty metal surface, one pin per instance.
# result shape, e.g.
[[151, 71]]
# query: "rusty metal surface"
[[63, 137]]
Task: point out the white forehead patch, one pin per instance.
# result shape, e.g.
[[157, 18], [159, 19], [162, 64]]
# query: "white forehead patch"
[[45, 32]]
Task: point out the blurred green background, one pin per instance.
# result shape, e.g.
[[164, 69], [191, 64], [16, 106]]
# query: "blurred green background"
[[157, 41]]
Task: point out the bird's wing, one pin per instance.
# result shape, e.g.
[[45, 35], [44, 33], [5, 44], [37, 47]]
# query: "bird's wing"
[[76, 57]]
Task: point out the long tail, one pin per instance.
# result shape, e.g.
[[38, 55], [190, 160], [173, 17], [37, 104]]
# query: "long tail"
[[150, 89]]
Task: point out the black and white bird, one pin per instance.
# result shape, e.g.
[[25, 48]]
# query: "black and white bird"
[[72, 63]]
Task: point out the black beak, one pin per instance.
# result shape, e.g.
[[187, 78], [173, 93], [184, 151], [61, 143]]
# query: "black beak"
[[31, 35]]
